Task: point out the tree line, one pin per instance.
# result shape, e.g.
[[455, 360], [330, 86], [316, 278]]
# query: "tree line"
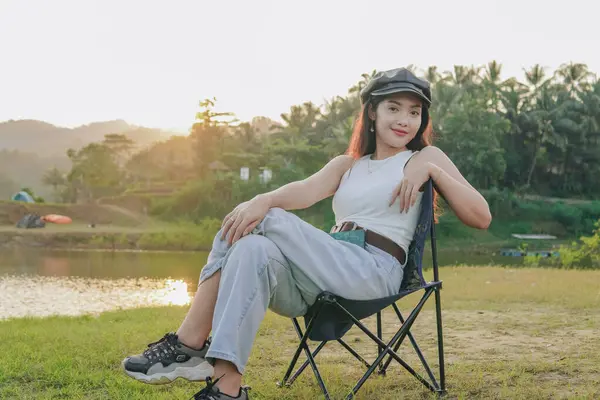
[[535, 136]]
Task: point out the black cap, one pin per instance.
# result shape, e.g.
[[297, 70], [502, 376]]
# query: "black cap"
[[397, 81]]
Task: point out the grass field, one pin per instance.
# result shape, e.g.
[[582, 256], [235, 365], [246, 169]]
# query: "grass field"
[[509, 334]]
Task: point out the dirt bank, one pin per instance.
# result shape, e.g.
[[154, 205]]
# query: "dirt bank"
[[43, 238], [115, 227], [82, 237], [11, 212]]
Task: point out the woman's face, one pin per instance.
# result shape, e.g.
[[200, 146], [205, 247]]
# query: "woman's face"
[[397, 120]]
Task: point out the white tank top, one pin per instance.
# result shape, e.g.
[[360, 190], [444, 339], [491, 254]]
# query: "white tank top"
[[364, 194]]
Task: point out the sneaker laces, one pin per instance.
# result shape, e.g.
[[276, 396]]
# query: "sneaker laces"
[[209, 392], [161, 348]]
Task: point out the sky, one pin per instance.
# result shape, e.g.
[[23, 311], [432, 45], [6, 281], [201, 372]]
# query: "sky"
[[73, 62]]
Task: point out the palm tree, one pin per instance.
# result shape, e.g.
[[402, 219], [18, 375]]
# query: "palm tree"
[[538, 86], [538, 130], [433, 75], [492, 83], [536, 76], [329, 117], [208, 134], [248, 135], [575, 77], [365, 78], [412, 68], [300, 121], [513, 99], [492, 72], [446, 98], [464, 76], [588, 108], [53, 177], [590, 101]]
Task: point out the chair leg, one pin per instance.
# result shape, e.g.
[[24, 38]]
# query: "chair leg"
[[296, 354], [398, 337], [438, 313], [417, 350], [354, 353], [380, 336], [304, 365], [304, 346]]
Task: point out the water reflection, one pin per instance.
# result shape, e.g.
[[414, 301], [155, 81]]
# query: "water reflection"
[[37, 282], [176, 293], [103, 265], [44, 296]]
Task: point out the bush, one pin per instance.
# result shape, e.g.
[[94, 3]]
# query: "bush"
[[37, 199], [539, 216], [568, 216], [502, 202], [533, 210], [212, 197], [185, 236], [584, 254], [451, 227], [196, 201]]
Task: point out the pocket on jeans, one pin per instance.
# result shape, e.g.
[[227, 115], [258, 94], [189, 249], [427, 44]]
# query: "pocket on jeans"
[[383, 259]]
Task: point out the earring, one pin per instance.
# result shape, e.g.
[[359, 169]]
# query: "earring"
[[372, 127]]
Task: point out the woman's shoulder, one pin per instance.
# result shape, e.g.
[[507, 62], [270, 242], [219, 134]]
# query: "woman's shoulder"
[[347, 161], [429, 153], [343, 160], [342, 163], [432, 151]]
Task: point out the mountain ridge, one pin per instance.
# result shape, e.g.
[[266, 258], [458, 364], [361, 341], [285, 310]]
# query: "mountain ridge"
[[46, 139]]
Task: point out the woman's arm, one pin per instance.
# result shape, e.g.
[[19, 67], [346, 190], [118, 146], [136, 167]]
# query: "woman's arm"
[[305, 193], [296, 195], [466, 202]]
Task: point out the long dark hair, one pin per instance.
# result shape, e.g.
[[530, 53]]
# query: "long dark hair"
[[362, 141]]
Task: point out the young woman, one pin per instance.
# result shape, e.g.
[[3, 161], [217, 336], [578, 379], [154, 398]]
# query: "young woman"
[[265, 257]]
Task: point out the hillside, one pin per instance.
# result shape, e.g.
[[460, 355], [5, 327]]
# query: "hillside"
[[28, 148], [44, 139]]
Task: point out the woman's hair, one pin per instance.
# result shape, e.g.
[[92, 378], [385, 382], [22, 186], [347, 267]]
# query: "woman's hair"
[[362, 141]]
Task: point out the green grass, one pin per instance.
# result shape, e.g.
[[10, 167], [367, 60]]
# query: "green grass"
[[153, 235], [509, 334]]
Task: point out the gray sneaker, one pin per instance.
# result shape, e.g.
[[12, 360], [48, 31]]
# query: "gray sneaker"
[[169, 359], [211, 392]]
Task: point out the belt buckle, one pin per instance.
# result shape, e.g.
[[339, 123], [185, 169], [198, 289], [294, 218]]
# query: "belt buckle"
[[339, 228], [354, 226]]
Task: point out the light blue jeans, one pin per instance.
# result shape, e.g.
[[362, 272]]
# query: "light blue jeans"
[[283, 265]]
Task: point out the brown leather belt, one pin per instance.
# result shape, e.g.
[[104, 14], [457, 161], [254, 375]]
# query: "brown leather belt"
[[375, 239]]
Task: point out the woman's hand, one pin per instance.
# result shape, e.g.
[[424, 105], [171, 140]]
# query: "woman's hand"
[[415, 175], [244, 218]]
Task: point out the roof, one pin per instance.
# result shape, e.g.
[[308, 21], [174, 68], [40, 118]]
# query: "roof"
[[532, 236]]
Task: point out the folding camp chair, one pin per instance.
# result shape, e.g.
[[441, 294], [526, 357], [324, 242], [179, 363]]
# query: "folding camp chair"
[[332, 316]]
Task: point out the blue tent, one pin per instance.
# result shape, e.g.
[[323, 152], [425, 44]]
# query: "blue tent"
[[23, 196]]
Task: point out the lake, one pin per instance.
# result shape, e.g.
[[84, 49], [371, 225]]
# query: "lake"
[[36, 282]]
